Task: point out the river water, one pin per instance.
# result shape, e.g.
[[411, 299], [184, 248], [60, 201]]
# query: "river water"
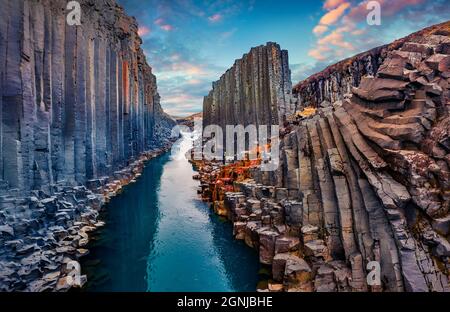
[[160, 237]]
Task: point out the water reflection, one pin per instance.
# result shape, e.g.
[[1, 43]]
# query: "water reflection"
[[160, 237]]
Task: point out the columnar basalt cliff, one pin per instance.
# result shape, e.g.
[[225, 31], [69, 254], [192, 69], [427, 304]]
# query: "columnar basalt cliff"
[[365, 178], [80, 113], [257, 90]]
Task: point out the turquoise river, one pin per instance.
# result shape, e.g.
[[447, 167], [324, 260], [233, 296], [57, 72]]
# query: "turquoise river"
[[160, 237]]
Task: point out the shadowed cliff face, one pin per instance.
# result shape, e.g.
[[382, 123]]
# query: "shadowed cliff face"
[[255, 91], [80, 114], [365, 178], [77, 101]]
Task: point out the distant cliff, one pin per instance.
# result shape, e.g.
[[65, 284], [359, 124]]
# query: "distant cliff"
[[189, 121], [79, 111], [256, 90]]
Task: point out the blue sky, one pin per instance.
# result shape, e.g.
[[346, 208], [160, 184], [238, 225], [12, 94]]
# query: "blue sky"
[[190, 43]]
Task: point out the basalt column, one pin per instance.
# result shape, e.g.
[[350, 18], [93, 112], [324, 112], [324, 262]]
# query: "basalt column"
[[363, 181], [255, 91], [79, 116], [77, 102]]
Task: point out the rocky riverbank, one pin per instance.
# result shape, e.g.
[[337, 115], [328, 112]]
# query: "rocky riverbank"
[[80, 114], [267, 220], [36, 251], [363, 177]]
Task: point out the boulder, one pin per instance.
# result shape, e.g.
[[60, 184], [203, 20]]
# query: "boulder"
[[239, 230], [298, 275], [275, 287], [317, 249], [440, 62], [6, 230], [309, 232], [279, 265], [251, 233], [380, 90], [267, 239], [324, 279], [293, 211], [286, 244], [442, 225]]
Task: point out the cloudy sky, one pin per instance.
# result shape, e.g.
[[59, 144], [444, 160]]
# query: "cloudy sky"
[[190, 43]]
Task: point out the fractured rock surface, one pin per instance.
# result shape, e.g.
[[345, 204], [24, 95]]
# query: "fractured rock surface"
[[79, 106], [364, 179], [257, 90]]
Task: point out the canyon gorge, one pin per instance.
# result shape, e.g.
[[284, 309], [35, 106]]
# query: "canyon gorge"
[[87, 182]]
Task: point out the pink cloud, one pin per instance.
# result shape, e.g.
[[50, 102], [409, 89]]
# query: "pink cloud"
[[334, 15], [388, 8], [332, 4], [167, 27], [332, 45], [179, 98], [163, 25], [215, 18], [143, 31], [188, 69], [194, 82], [159, 21], [337, 39], [340, 28], [320, 29], [358, 32], [319, 53]]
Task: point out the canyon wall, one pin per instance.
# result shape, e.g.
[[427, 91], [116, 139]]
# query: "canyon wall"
[[335, 81], [77, 101], [79, 113], [362, 180], [257, 90]]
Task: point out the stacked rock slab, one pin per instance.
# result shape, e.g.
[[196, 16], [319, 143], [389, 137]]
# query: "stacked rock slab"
[[78, 104], [335, 81], [257, 90], [364, 179]]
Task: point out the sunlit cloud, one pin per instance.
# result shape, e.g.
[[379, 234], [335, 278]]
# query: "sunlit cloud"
[[194, 81], [175, 57], [143, 31], [332, 4], [181, 105], [215, 18], [167, 27], [388, 8], [189, 69], [319, 53], [333, 16], [320, 29], [159, 21], [336, 38], [358, 32]]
